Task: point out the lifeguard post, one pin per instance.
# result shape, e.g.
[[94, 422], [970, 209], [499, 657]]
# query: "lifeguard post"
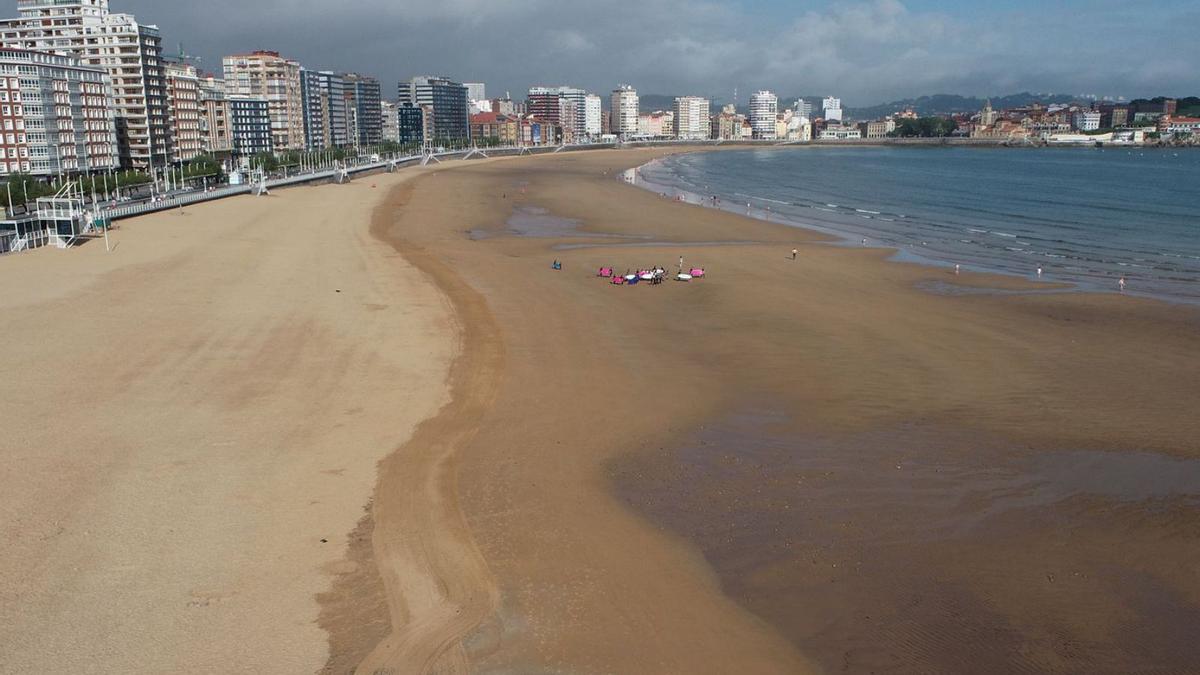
[[62, 217]]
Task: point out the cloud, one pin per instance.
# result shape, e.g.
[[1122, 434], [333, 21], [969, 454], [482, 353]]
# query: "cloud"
[[570, 41], [864, 50]]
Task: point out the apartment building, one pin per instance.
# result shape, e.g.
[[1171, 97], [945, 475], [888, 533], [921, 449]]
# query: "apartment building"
[[566, 107], [268, 76], [624, 111], [410, 124], [876, 129], [593, 116], [55, 115], [446, 110], [216, 132], [131, 54], [364, 96], [252, 126], [183, 111], [390, 122], [657, 124], [502, 129], [327, 121], [764, 108], [832, 107], [691, 118]]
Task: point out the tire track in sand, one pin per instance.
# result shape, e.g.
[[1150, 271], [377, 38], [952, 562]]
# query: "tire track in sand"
[[437, 583]]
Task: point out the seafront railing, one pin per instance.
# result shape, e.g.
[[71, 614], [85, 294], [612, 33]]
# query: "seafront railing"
[[332, 173], [119, 212]]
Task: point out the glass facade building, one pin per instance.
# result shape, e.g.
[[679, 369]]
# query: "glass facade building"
[[447, 104], [410, 123], [250, 119]]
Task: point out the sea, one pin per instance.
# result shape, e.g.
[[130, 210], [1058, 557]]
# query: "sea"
[[1086, 216]]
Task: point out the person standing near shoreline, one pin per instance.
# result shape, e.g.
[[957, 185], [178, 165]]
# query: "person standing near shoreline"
[[794, 252]]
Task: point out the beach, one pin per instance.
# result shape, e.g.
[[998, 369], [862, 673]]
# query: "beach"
[[807, 465]]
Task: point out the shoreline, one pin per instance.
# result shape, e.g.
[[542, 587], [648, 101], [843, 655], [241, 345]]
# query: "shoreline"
[[900, 254]]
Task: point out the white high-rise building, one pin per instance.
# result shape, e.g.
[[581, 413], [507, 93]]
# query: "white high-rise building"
[[1087, 120], [691, 118], [624, 112], [477, 97], [391, 122], [804, 108], [764, 108], [833, 109], [131, 54], [593, 111]]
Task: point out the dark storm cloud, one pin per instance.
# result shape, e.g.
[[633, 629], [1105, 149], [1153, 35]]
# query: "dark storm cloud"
[[866, 51]]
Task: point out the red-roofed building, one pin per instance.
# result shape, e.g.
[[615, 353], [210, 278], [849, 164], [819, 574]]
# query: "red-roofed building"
[[1170, 124], [489, 128]]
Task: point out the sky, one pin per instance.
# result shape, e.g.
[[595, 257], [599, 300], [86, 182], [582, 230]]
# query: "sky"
[[866, 51]]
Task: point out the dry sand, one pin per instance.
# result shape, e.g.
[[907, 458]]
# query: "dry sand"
[[191, 430]]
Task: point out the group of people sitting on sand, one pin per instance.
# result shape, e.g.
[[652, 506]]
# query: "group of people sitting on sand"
[[653, 275]]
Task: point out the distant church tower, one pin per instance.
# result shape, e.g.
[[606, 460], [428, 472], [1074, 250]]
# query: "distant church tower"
[[988, 117]]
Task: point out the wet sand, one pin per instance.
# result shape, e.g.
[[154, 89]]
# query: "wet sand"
[[792, 465]]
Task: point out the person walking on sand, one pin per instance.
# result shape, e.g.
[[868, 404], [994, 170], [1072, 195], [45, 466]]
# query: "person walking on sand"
[[1121, 284], [1039, 271], [864, 241], [956, 268], [794, 252]]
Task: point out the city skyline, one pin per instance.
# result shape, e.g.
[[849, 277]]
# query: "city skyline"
[[867, 52]]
